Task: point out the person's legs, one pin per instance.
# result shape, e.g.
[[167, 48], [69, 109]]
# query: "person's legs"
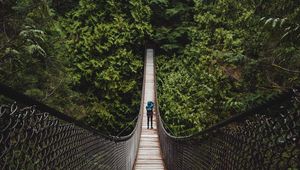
[[152, 121], [148, 119]]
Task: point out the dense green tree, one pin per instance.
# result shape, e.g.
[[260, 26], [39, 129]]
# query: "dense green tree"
[[27, 61], [240, 54], [105, 40], [171, 20], [31, 60], [83, 58]]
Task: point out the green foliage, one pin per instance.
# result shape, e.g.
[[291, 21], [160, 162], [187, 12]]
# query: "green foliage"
[[26, 56], [30, 56], [234, 59], [81, 57], [170, 21], [105, 39], [85, 57]]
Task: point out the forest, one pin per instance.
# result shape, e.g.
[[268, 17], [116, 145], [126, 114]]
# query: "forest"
[[214, 58]]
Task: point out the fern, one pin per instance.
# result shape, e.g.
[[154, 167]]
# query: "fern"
[[35, 48], [287, 29]]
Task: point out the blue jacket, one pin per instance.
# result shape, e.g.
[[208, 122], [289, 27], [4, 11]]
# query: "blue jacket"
[[149, 106]]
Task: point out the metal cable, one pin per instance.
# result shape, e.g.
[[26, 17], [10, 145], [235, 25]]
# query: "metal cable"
[[266, 137], [128, 126], [34, 136], [35, 139]]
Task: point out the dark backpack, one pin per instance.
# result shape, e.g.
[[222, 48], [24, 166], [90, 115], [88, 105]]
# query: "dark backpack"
[[149, 108]]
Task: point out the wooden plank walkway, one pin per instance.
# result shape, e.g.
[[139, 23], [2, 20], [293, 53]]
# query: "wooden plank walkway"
[[149, 153]]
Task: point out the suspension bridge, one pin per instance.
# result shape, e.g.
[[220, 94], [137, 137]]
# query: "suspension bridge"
[[36, 136]]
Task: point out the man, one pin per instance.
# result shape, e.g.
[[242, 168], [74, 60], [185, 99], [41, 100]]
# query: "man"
[[149, 109]]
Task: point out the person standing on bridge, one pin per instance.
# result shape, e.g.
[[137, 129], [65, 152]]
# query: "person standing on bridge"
[[149, 109]]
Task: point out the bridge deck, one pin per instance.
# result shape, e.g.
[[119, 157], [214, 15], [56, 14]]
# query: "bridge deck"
[[149, 153]]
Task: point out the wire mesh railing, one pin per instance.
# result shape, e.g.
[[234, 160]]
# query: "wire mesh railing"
[[34, 136], [266, 137]]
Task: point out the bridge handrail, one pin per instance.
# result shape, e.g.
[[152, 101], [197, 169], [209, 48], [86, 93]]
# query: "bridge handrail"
[[26, 100], [254, 139], [250, 112], [36, 136], [275, 100]]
